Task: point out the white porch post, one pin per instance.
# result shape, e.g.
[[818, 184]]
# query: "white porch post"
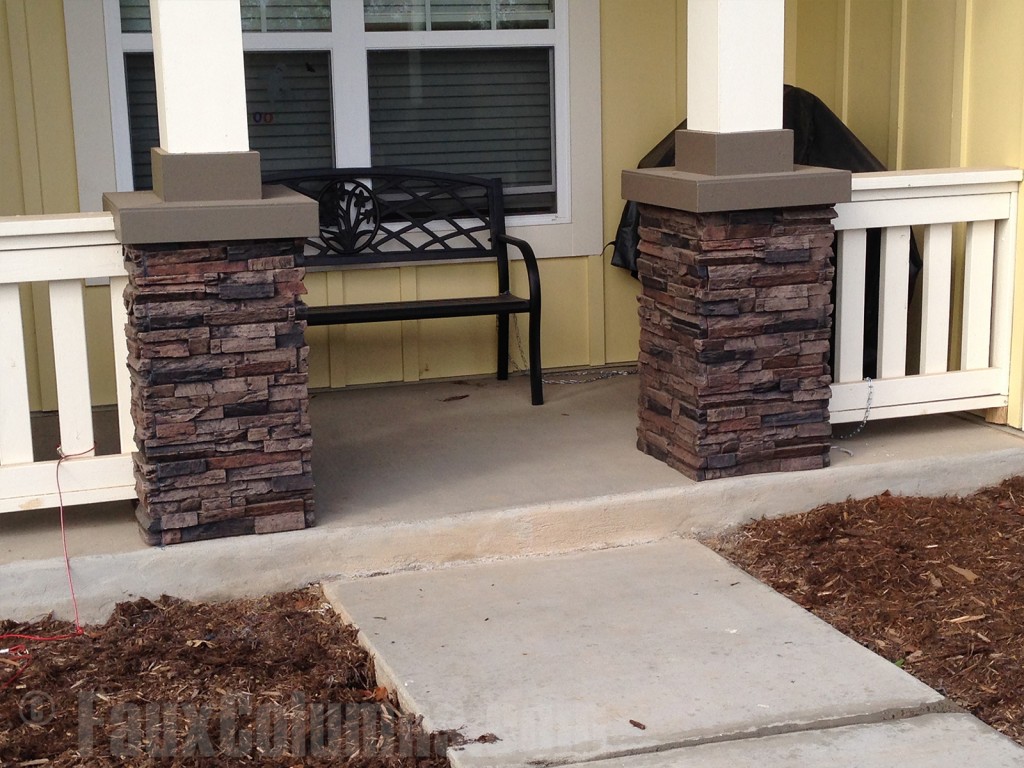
[[734, 65], [214, 278], [200, 80], [735, 311], [734, 153]]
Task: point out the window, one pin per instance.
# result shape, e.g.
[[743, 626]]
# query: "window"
[[257, 15], [465, 86], [485, 112]]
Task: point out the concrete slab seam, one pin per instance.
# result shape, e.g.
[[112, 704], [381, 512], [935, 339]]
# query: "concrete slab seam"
[[944, 707]]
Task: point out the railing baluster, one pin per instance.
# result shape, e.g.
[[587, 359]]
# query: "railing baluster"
[[977, 328], [74, 405], [1002, 309], [15, 423], [851, 262], [936, 283], [892, 302], [60, 251], [122, 379]]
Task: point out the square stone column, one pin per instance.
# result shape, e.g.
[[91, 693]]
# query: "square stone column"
[[219, 376], [217, 355], [735, 318], [735, 315]]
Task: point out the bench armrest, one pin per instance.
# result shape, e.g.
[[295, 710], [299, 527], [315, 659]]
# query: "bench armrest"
[[530, 259]]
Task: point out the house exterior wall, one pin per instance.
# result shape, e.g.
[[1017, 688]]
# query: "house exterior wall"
[[590, 307], [37, 153], [925, 84]]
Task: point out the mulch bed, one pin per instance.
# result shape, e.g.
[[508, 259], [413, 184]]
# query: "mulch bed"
[[276, 681], [932, 584]]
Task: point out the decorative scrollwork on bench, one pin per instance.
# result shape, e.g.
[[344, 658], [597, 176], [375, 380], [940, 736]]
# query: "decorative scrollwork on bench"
[[349, 215]]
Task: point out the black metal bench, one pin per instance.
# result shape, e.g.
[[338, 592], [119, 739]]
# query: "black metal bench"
[[403, 216]]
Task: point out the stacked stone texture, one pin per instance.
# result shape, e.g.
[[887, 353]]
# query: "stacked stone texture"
[[220, 397], [735, 319]]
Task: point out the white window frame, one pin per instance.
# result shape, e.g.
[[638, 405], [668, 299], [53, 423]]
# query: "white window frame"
[[576, 227]]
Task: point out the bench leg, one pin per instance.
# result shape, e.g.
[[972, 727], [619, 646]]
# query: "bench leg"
[[503, 347], [536, 383]]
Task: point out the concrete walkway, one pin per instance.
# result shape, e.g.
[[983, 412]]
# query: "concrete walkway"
[[643, 657]]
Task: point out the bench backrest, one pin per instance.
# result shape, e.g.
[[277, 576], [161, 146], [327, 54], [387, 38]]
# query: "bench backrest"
[[392, 215]]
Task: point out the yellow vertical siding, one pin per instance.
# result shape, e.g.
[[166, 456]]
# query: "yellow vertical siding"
[[466, 345], [564, 332], [362, 354], [12, 199], [842, 52], [316, 338], [866, 106], [643, 91], [993, 132], [930, 135], [37, 150], [819, 46]]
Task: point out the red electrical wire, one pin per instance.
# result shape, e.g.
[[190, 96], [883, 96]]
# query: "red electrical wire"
[[20, 651], [63, 529]]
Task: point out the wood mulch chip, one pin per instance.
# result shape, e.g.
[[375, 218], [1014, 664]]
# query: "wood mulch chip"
[[275, 681], [932, 584]]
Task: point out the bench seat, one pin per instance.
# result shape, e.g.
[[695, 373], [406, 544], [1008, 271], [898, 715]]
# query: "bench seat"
[[424, 309]]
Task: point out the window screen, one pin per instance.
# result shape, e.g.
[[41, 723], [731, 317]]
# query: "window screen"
[[385, 15], [257, 16], [288, 96], [480, 111]]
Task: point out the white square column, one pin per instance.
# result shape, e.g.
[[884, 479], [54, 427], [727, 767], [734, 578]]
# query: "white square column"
[[734, 154], [735, 65], [200, 79], [207, 184]]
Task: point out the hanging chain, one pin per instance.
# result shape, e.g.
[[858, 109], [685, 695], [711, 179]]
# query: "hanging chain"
[[519, 345], [867, 413], [569, 377]]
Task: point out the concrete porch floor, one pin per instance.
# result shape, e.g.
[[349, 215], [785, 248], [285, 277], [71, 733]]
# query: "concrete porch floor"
[[424, 475]]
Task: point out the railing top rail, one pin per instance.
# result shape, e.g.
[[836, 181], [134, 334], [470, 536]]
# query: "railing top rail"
[[931, 178], [76, 246], [55, 224], [62, 247]]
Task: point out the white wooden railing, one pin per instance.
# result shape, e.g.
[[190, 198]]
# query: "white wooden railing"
[[61, 251], [985, 201]]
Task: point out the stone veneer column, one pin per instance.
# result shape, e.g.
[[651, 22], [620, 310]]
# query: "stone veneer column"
[[219, 389], [735, 318], [217, 358], [734, 261]]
